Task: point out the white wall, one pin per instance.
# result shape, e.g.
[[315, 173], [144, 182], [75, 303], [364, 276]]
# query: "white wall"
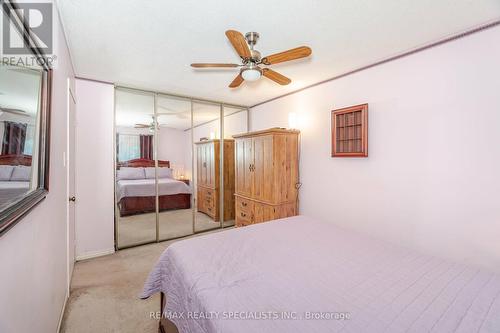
[[431, 180], [33, 270], [171, 148], [94, 186]]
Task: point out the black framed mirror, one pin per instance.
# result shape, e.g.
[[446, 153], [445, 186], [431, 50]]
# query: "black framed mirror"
[[25, 93]]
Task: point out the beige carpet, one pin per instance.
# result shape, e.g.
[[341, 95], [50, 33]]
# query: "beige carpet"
[[141, 228], [104, 293]]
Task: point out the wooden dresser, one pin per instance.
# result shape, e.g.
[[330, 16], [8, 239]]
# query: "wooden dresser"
[[208, 178], [266, 175]]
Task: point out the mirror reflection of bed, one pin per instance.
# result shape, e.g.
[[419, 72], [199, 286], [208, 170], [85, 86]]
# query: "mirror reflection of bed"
[[181, 138], [19, 110], [136, 190], [15, 177]]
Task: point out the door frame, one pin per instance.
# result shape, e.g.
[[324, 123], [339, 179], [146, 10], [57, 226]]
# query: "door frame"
[[70, 243]]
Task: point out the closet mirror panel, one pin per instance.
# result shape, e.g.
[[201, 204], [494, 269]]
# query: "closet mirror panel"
[[207, 152], [235, 122], [175, 192], [135, 180], [175, 172]]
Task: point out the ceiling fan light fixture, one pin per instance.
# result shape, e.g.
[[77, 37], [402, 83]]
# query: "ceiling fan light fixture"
[[251, 59], [251, 74]]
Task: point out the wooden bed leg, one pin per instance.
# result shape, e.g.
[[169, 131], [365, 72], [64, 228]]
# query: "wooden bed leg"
[[165, 325], [160, 326]]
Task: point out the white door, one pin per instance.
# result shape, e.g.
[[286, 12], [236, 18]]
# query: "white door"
[[71, 176]]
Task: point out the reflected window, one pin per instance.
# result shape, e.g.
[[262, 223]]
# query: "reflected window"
[[128, 147]]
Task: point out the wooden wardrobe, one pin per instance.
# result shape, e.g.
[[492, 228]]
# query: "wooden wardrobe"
[[267, 169], [208, 178]]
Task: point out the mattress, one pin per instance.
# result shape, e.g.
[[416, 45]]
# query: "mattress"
[[302, 275], [147, 187]]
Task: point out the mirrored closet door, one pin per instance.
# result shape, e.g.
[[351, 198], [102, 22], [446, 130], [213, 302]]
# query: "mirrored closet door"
[[135, 177], [235, 122], [207, 177], [174, 166], [175, 192]]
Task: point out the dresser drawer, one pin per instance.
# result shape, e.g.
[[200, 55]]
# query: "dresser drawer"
[[209, 193], [244, 205], [210, 210], [243, 217]]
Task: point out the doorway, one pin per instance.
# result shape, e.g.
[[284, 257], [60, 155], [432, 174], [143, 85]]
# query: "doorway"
[[71, 169]]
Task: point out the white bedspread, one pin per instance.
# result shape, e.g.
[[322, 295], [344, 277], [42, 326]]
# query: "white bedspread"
[[301, 268], [147, 188]]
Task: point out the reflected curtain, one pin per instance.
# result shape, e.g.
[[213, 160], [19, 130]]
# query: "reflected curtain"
[[146, 143], [14, 137], [128, 147]]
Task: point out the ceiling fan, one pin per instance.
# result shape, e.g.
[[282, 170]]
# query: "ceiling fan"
[[151, 125], [251, 59], [17, 112]]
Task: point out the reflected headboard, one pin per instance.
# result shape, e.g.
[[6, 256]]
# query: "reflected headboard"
[[15, 160], [142, 163]]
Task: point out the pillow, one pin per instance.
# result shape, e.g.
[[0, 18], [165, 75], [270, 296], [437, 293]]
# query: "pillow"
[[162, 173], [6, 172], [130, 173], [21, 173]]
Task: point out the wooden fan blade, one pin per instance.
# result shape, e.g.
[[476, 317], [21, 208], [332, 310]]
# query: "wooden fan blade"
[[296, 53], [275, 76], [18, 112], [239, 43], [202, 65], [237, 81]]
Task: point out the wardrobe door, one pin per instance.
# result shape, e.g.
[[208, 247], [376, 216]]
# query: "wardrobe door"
[[202, 181], [206, 133], [244, 163], [212, 155], [199, 163], [262, 169], [235, 122]]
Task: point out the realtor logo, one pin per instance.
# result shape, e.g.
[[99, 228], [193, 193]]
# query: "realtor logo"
[[37, 17]]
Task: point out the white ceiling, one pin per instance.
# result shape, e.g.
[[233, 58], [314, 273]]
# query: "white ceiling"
[[150, 44]]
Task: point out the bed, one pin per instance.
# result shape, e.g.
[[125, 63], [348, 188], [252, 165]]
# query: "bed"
[[302, 275], [15, 176], [138, 196]]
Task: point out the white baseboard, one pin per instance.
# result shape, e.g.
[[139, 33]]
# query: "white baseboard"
[[61, 316], [95, 254]]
